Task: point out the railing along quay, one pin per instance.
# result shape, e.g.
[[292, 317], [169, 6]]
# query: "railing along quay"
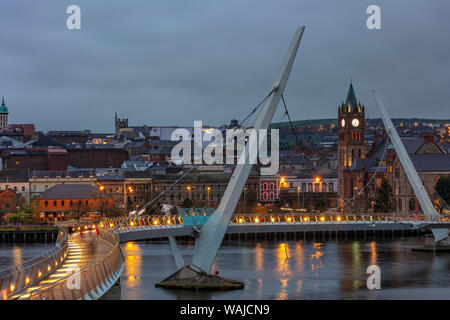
[[19, 277], [94, 280], [169, 220]]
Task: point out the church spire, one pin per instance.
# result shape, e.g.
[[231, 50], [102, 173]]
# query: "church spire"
[[3, 101], [351, 97]]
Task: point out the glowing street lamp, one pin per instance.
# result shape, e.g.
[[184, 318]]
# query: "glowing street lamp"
[[188, 188], [208, 189]]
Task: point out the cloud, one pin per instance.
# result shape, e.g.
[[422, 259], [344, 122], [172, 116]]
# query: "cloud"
[[173, 62]]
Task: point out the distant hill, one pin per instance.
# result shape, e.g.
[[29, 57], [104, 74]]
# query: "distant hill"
[[315, 123]]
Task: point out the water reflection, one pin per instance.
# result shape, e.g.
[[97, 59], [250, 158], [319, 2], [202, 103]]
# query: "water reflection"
[[316, 261], [283, 269], [133, 261], [297, 270]]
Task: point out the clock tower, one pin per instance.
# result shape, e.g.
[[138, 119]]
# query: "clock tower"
[[351, 142]]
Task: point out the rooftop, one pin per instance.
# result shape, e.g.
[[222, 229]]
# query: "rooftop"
[[70, 191]]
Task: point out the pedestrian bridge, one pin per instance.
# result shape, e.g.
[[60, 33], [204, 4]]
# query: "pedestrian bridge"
[[153, 227], [87, 260], [83, 265]]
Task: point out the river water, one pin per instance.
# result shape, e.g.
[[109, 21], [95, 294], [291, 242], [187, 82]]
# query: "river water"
[[333, 269], [11, 254]]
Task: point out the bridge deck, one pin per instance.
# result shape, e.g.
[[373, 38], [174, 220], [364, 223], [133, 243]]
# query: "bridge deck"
[[83, 250]]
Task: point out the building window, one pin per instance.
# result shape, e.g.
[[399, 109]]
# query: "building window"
[[23, 188], [46, 203], [62, 203], [412, 205]]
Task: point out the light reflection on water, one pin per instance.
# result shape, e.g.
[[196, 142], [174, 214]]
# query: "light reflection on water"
[[297, 270], [11, 254]]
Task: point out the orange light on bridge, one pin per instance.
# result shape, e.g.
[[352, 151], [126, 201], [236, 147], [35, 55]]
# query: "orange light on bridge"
[[305, 219], [101, 188], [256, 220], [240, 220], [272, 219], [168, 221], [322, 219], [12, 287], [27, 280], [317, 180], [155, 222], [111, 225], [289, 219], [132, 223], [338, 219]]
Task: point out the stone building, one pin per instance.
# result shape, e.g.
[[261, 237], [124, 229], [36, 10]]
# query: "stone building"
[[351, 144]]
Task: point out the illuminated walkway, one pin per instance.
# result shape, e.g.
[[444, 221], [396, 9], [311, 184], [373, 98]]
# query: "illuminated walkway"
[[83, 251]]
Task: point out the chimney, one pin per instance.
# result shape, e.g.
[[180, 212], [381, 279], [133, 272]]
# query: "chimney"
[[428, 137]]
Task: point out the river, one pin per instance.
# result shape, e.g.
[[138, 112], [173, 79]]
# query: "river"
[[334, 269]]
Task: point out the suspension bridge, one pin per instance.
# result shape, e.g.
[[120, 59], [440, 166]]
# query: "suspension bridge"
[[51, 276]]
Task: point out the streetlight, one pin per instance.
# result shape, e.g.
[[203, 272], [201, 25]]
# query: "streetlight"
[[208, 189], [298, 197], [189, 190]]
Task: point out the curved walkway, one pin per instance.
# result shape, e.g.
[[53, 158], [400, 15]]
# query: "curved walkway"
[[84, 249]]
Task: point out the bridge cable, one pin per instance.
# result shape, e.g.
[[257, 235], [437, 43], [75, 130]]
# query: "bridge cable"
[[289, 118], [152, 202], [256, 108]]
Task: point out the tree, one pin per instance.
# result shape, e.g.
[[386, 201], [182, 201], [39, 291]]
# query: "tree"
[[383, 198], [187, 203], [32, 210], [443, 188]]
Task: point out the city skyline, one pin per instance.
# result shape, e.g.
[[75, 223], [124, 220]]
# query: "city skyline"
[[161, 68]]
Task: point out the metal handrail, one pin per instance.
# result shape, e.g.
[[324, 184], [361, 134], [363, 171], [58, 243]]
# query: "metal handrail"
[[91, 277], [165, 220], [19, 277]]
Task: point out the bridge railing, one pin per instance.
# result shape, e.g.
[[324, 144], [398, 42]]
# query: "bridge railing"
[[19, 277], [169, 220], [89, 278]]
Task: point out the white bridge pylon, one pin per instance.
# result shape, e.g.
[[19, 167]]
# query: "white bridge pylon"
[[414, 179], [211, 234]]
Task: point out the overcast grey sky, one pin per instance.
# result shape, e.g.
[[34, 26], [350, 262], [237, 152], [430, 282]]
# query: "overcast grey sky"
[[170, 62]]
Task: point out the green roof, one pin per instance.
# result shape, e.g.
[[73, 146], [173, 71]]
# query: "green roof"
[[3, 107], [351, 97]]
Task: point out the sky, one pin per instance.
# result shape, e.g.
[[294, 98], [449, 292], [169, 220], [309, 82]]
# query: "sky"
[[170, 62]]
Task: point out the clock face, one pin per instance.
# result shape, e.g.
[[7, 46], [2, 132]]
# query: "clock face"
[[355, 122], [343, 123]]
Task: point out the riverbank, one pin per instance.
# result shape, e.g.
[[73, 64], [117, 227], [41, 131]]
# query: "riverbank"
[[28, 234]]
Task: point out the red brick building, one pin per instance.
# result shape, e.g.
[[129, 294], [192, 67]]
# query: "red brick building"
[[8, 203], [73, 200], [96, 157], [34, 159]]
